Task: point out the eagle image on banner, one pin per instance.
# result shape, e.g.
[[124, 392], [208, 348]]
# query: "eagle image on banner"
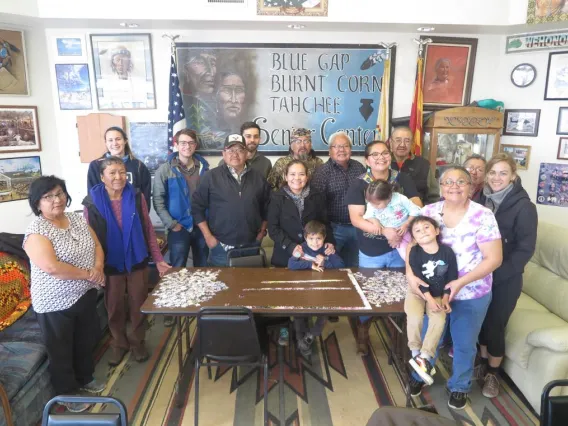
[[325, 88]]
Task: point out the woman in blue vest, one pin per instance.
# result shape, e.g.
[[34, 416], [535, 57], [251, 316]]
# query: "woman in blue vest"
[[119, 216]]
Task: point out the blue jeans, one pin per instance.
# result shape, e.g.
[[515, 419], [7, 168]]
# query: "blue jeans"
[[218, 255], [179, 244], [388, 260], [346, 244], [466, 319]]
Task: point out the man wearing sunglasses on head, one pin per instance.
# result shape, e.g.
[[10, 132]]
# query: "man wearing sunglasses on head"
[[418, 168]]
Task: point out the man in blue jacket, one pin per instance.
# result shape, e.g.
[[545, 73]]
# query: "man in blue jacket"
[[174, 183]]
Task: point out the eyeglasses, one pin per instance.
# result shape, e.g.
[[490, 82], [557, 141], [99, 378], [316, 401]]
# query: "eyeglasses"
[[384, 154], [341, 147], [235, 151], [401, 141], [51, 197], [449, 183], [475, 169], [185, 144], [301, 141]]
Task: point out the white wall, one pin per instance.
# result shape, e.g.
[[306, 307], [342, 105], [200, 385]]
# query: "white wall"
[[75, 172], [59, 135], [15, 215], [545, 145]]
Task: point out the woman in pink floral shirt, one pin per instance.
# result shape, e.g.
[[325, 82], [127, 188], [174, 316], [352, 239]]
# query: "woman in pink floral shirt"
[[473, 234]]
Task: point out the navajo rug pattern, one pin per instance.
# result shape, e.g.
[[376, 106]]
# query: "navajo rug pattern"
[[332, 387]]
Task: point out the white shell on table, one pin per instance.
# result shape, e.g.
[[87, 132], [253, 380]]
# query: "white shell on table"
[[184, 288], [384, 287]]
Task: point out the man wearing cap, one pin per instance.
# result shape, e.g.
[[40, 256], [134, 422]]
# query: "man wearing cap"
[[333, 179], [251, 133], [300, 149], [230, 204], [417, 167]]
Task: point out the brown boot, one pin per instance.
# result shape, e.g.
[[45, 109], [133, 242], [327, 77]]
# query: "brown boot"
[[363, 338], [140, 353], [116, 356]]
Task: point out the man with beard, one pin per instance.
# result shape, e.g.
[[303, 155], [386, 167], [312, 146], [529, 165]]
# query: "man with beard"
[[417, 167], [300, 149], [251, 133]]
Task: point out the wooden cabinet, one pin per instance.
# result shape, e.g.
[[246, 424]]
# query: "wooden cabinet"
[[91, 130], [452, 135]]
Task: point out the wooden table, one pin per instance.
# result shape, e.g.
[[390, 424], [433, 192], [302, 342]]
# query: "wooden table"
[[283, 292]]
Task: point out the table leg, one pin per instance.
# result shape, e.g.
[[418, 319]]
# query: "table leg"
[[178, 396], [398, 352], [282, 411]]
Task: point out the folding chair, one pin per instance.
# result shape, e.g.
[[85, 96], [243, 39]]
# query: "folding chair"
[[86, 418], [228, 336], [554, 409], [249, 257]]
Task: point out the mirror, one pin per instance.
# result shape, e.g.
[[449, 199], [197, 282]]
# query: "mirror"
[[523, 75]]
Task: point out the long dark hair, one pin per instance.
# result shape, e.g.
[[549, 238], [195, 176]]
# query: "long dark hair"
[[42, 186], [127, 149]]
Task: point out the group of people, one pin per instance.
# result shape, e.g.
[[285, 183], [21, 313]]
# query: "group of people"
[[464, 253]]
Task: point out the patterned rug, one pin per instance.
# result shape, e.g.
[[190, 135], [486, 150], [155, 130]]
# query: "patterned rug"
[[333, 387]]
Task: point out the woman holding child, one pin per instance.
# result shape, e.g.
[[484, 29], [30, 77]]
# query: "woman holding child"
[[377, 244], [516, 216], [303, 239], [471, 231]]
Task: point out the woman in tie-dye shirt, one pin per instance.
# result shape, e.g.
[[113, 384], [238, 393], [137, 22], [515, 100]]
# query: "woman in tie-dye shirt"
[[473, 234]]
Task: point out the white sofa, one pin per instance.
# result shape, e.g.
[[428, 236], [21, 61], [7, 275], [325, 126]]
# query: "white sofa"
[[537, 333]]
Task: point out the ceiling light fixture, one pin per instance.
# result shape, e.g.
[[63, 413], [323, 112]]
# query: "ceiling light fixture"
[[123, 24], [129, 24], [426, 29], [296, 26], [134, 25]]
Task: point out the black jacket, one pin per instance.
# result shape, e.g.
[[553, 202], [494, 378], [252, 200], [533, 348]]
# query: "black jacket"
[[233, 212], [517, 220], [98, 223], [419, 170], [286, 227], [138, 176]]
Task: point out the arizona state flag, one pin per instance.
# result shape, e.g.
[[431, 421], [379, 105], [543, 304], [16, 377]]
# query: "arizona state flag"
[[417, 108]]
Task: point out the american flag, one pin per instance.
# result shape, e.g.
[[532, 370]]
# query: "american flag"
[[176, 115]]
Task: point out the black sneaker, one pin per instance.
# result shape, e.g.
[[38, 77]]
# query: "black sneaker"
[[415, 387], [457, 400]]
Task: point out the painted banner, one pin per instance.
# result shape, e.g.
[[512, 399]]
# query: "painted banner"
[[149, 143], [325, 88], [529, 42], [553, 185]]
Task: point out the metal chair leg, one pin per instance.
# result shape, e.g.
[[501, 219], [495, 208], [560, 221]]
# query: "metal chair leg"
[[265, 391], [197, 365]]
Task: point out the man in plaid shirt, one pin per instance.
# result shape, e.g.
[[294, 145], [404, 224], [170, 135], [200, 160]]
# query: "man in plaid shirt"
[[333, 179]]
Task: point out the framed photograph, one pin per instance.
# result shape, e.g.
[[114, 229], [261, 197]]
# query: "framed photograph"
[[542, 12], [16, 175], [13, 72], [523, 75], [292, 7], [69, 46], [521, 122], [556, 87], [448, 72], [562, 125], [520, 153], [19, 129], [123, 71], [562, 149], [73, 86]]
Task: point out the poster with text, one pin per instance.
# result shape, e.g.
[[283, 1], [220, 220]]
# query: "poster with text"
[[324, 88], [553, 185]]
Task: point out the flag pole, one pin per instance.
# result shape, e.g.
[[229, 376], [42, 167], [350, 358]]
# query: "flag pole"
[[383, 118], [416, 114]]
